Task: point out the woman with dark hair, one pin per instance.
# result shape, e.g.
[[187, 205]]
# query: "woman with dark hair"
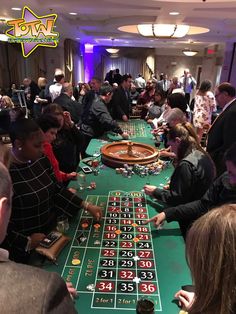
[[194, 170], [211, 256], [155, 109], [68, 143], [177, 100], [37, 198], [204, 105], [50, 125]]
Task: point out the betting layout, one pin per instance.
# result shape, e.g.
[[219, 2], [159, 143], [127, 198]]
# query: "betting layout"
[[133, 128], [112, 262]]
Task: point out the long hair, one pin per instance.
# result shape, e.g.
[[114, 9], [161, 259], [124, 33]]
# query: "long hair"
[[205, 86], [211, 255], [188, 139]]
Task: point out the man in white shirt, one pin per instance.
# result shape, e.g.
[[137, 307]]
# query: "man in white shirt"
[[55, 89], [140, 83], [187, 83]]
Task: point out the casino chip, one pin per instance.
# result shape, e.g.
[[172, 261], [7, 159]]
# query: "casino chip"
[[97, 242], [91, 287], [136, 258], [76, 262], [84, 225], [136, 279], [96, 226]]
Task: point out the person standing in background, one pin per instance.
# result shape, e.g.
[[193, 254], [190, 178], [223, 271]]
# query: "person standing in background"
[[163, 85], [204, 105], [222, 133], [187, 83], [121, 102]]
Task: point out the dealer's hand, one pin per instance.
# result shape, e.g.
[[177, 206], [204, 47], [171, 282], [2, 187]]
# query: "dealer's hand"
[[125, 135], [186, 299], [149, 189], [158, 220], [95, 210]]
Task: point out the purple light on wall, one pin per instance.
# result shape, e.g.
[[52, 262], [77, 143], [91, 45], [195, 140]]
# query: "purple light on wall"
[[88, 62]]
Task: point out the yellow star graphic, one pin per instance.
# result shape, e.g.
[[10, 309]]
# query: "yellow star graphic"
[[33, 31]]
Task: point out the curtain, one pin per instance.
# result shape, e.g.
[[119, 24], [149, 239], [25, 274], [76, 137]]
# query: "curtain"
[[69, 55], [125, 65], [11, 65]]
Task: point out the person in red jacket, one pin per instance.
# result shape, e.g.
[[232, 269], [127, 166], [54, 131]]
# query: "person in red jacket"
[[50, 125]]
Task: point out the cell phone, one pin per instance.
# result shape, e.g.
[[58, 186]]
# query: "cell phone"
[[50, 239], [87, 169]]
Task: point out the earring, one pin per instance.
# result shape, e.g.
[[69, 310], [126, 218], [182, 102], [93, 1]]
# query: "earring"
[[19, 148]]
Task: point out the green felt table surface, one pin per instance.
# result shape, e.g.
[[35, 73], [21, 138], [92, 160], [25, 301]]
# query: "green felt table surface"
[[172, 271], [171, 267]]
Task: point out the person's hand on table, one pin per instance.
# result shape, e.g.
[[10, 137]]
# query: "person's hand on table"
[[125, 118], [158, 220], [72, 190], [72, 291], [166, 153], [186, 299], [95, 211], [72, 175], [125, 135], [36, 238], [149, 189]]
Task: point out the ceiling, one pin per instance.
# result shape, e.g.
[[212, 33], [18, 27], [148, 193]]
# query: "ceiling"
[[97, 22]]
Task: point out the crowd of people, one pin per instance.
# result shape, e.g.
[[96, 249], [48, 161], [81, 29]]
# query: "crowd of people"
[[47, 144]]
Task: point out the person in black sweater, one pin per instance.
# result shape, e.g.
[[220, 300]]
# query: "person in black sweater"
[[98, 120], [194, 170], [221, 191]]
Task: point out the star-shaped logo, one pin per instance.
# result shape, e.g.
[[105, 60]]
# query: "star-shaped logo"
[[33, 31]]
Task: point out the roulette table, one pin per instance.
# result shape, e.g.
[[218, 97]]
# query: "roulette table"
[[120, 260]]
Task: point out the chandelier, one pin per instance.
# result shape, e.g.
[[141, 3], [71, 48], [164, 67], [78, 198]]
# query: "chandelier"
[[189, 52], [112, 50], [168, 31], [163, 30]]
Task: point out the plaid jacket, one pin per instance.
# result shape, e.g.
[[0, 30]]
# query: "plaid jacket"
[[37, 200]]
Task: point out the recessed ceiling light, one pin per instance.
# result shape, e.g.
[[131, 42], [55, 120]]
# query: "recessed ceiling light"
[[174, 13], [16, 9], [77, 38], [73, 13]]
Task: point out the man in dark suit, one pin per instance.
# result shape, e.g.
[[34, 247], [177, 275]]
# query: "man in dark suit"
[[163, 85], [121, 101], [222, 133], [68, 104], [26, 289]]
